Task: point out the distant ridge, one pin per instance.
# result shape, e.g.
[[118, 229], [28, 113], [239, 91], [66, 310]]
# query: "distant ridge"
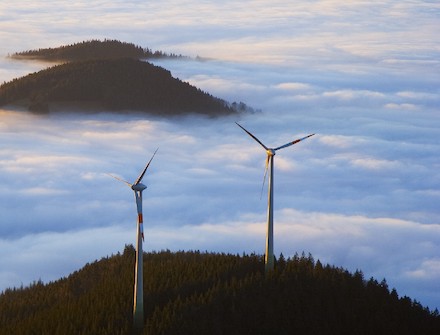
[[109, 75], [93, 49], [121, 84], [208, 293]]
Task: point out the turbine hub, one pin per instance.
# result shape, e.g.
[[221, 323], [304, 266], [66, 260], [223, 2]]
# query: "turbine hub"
[[138, 187], [270, 152]]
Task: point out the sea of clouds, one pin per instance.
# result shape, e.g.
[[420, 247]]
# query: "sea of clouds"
[[363, 193]]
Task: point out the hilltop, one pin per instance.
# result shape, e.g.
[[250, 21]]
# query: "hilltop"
[[110, 75], [93, 49], [208, 293], [119, 84]]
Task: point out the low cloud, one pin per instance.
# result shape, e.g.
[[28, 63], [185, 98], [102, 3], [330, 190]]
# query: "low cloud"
[[293, 86], [427, 270], [376, 164], [352, 94], [404, 106]]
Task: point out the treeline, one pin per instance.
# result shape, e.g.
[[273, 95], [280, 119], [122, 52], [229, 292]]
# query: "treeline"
[[113, 84], [208, 293], [93, 49]]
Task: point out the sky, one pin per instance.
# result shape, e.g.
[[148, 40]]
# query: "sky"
[[363, 193]]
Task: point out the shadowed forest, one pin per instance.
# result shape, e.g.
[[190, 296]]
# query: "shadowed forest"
[[117, 84], [109, 75], [208, 293]]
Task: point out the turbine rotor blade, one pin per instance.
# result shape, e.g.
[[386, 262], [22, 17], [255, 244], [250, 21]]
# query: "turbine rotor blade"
[[256, 139], [265, 174], [293, 142], [145, 170], [117, 178]]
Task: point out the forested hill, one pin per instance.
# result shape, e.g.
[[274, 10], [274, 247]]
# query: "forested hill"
[[207, 293], [112, 84], [93, 49]]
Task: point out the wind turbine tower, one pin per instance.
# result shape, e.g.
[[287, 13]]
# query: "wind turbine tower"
[[138, 300], [269, 257]]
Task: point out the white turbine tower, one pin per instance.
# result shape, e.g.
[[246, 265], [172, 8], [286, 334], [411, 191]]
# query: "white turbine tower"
[[269, 258], [138, 302]]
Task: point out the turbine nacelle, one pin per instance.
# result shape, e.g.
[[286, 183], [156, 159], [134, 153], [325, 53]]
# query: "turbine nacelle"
[[270, 152], [138, 187]]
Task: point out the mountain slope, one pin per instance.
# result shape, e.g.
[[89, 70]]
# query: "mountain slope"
[[113, 84], [206, 293]]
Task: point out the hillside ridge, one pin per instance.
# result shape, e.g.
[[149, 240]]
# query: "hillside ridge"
[[196, 292], [108, 75], [120, 84]]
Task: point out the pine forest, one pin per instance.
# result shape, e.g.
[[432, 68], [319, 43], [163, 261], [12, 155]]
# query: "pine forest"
[[196, 292]]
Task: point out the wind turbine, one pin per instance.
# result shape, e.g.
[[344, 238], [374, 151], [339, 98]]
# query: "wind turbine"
[[138, 301], [269, 258]]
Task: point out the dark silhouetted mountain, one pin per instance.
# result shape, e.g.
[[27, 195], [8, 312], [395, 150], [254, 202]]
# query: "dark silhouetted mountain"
[[93, 49], [121, 84], [208, 293]]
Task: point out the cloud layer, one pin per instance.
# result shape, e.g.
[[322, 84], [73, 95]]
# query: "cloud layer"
[[363, 193]]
